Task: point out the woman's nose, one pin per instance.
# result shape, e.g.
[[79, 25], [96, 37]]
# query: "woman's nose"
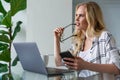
[[77, 18]]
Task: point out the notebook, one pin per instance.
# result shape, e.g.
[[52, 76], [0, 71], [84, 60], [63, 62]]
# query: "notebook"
[[31, 60]]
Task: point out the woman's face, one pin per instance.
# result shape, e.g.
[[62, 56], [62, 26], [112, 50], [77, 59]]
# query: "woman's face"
[[80, 19]]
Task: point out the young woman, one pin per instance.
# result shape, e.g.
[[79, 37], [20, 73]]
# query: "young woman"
[[94, 48]]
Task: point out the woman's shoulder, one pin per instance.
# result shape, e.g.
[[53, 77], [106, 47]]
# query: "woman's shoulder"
[[105, 35]]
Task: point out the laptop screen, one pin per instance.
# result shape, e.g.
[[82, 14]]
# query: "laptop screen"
[[29, 56]]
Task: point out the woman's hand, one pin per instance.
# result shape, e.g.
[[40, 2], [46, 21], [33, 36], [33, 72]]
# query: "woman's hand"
[[76, 63], [58, 32]]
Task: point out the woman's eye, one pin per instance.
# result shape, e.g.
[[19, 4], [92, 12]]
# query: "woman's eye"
[[76, 15], [80, 15]]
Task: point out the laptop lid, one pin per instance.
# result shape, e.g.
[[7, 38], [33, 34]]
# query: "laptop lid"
[[30, 58]]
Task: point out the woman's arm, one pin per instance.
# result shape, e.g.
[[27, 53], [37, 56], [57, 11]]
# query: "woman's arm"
[[80, 64], [57, 34], [57, 52], [102, 68]]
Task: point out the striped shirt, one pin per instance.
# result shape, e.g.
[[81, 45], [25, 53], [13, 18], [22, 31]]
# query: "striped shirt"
[[103, 51]]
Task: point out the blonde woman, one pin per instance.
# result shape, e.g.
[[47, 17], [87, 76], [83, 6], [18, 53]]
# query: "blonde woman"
[[94, 48]]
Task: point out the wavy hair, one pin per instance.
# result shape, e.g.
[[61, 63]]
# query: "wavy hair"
[[95, 27]]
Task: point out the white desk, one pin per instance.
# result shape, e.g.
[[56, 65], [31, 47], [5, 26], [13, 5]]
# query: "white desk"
[[26, 75], [68, 76], [20, 74], [34, 76]]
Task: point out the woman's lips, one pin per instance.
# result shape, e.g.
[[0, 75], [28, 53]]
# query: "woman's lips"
[[77, 24]]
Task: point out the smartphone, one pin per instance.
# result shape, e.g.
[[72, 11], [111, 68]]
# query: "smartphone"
[[66, 54]]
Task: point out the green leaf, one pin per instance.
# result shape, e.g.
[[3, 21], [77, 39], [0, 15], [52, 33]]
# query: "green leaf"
[[15, 61], [17, 29], [7, 20], [7, 76], [1, 18], [17, 5], [2, 10], [3, 68], [4, 38], [3, 32], [5, 56], [7, 1], [3, 46]]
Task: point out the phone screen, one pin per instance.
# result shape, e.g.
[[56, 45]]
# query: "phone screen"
[[66, 54]]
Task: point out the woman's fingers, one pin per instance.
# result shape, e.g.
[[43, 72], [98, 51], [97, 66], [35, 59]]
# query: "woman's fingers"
[[69, 59], [77, 63], [59, 31], [71, 65]]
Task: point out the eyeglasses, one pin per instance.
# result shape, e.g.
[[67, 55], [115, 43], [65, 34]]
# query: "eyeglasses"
[[62, 40]]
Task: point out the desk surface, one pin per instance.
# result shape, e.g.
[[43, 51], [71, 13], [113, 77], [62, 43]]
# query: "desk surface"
[[34, 76], [67, 76], [26, 75]]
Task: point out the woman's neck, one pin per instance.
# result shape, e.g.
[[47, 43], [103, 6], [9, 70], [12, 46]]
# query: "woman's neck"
[[86, 35]]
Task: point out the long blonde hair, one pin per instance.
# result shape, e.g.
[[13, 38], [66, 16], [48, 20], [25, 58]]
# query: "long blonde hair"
[[95, 27]]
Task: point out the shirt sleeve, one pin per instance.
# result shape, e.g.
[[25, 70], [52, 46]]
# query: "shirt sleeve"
[[113, 53]]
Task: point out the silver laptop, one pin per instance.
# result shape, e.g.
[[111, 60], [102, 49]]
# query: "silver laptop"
[[31, 60]]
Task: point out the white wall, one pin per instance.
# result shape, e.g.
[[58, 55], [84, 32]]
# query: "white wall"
[[42, 17], [111, 11]]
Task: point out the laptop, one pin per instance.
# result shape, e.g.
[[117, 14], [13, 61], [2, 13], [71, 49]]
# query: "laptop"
[[31, 60]]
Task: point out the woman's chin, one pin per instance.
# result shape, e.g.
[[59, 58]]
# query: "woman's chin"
[[78, 28]]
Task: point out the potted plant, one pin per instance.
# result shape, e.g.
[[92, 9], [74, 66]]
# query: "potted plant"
[[8, 34]]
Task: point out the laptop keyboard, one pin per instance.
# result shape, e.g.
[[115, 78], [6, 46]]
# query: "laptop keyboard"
[[55, 70]]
